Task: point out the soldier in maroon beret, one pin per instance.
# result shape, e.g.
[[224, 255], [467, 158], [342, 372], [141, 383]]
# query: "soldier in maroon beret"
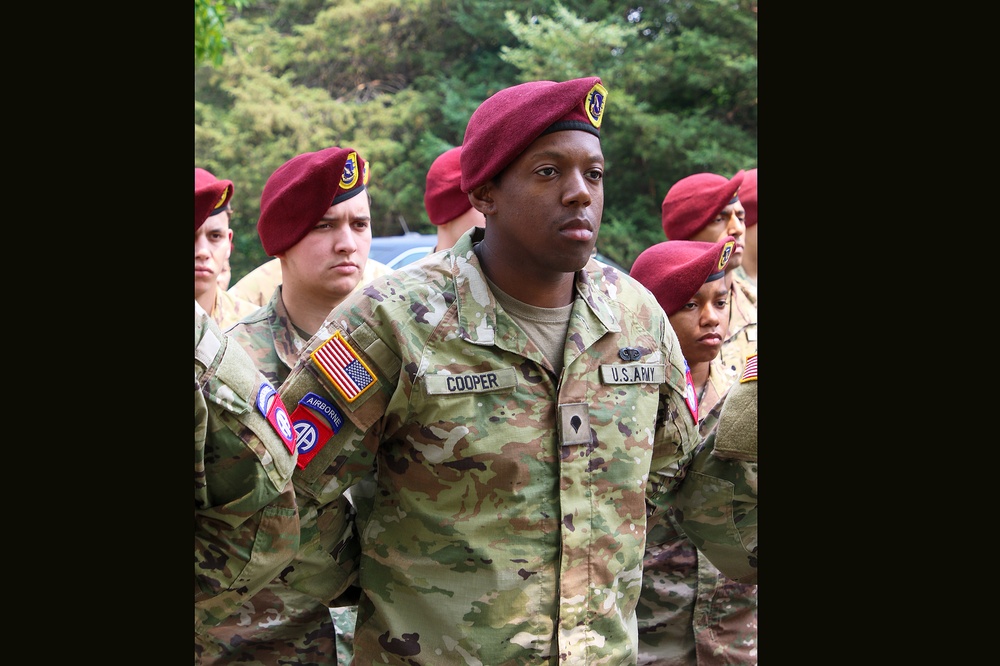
[[746, 272], [315, 216], [246, 526], [707, 207], [692, 613], [213, 243], [258, 285], [532, 160], [687, 279], [521, 404], [316, 219], [448, 207]]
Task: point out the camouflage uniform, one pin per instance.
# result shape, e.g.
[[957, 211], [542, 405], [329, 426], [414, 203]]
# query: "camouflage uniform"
[[748, 283], [228, 309], [246, 526], [742, 340], [689, 613], [270, 338], [289, 621], [508, 522], [258, 285], [720, 378], [719, 512]]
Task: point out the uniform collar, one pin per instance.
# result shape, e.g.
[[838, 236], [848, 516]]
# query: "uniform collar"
[[594, 313]]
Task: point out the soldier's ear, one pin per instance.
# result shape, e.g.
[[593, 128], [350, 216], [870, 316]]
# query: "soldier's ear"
[[481, 199]]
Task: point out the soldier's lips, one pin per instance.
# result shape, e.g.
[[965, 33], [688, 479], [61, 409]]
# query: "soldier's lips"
[[576, 233], [712, 341]]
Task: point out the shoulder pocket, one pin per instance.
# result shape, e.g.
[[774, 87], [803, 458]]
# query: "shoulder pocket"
[[234, 387], [232, 384]]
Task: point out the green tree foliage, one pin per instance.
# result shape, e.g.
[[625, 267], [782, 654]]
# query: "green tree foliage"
[[399, 79], [210, 43]]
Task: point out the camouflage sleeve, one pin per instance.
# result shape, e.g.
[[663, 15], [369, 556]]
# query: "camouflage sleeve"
[[346, 455], [327, 560], [258, 285], [716, 503], [676, 431], [246, 520]]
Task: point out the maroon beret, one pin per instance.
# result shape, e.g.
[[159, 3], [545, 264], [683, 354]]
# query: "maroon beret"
[[694, 201], [210, 196], [509, 121], [675, 270], [748, 196], [443, 195], [302, 189]]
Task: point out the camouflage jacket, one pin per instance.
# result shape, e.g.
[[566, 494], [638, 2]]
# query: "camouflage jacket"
[[508, 522], [228, 309], [289, 620], [689, 613], [718, 513], [258, 285], [747, 283], [246, 525], [742, 340], [270, 338]]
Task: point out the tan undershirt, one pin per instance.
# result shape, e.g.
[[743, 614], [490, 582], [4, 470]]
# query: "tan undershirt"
[[546, 327]]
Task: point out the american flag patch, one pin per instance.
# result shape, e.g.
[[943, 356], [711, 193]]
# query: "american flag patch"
[[341, 364], [689, 396], [750, 369]]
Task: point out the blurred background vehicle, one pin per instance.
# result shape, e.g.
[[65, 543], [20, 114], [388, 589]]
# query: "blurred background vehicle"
[[397, 251]]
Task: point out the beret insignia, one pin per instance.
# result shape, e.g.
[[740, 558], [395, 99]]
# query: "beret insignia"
[[595, 104]]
